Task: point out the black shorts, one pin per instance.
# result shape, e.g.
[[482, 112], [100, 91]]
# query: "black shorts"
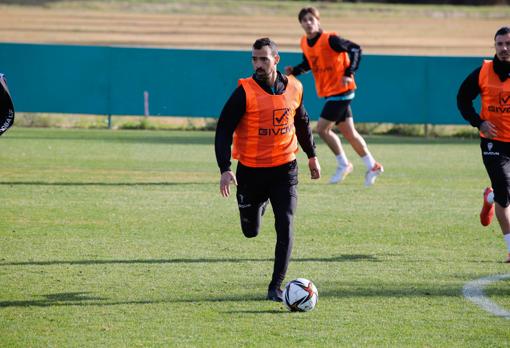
[[336, 110], [496, 158]]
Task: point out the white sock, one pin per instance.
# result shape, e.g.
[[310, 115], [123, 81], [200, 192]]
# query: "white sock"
[[342, 160], [507, 240], [369, 161]]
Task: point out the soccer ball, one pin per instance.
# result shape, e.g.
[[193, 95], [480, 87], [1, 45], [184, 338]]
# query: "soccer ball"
[[300, 295]]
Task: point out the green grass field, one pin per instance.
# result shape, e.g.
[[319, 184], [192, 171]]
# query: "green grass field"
[[121, 239]]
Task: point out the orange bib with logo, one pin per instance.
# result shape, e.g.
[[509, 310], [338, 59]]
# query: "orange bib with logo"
[[265, 136], [328, 66], [495, 97]]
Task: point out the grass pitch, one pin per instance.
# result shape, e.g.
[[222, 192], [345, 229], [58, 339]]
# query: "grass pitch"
[[121, 239]]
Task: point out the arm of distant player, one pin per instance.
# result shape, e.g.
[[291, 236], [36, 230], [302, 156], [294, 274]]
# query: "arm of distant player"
[[299, 69], [339, 44]]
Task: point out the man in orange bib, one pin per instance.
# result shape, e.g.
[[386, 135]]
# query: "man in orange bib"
[[333, 61], [492, 82], [263, 120]]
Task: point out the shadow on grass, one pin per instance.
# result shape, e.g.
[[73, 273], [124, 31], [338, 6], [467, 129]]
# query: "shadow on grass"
[[82, 299], [59, 299], [169, 138], [43, 183], [339, 258], [203, 137], [274, 311], [372, 290]]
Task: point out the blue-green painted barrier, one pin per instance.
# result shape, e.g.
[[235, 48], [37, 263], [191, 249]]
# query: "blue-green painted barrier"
[[112, 81]]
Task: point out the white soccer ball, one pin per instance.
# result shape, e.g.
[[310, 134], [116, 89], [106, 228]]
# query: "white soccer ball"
[[300, 295]]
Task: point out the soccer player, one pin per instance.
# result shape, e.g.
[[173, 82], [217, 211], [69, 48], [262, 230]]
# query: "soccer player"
[[6, 107], [492, 82], [263, 120], [333, 61]]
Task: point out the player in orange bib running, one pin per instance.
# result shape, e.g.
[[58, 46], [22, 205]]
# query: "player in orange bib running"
[[263, 121], [333, 61], [492, 82]]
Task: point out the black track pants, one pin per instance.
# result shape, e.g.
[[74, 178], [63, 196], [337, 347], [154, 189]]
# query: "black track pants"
[[278, 185]]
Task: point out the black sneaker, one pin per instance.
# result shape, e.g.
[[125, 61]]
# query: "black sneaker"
[[275, 294]]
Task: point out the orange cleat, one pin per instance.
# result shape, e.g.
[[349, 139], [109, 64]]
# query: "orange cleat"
[[487, 212]]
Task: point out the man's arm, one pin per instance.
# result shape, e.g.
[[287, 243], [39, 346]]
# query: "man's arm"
[[304, 131], [230, 116], [299, 69], [305, 139], [468, 91], [339, 44]]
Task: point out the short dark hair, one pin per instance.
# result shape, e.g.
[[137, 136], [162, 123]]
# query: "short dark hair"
[[502, 31], [265, 41], [306, 10]]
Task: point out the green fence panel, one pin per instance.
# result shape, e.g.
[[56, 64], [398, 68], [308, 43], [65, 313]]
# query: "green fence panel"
[[53, 78], [179, 82]]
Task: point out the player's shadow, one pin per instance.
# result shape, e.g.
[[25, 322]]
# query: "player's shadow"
[[97, 183], [399, 290], [340, 290], [63, 298], [132, 138], [262, 311], [338, 258], [86, 299], [79, 299]]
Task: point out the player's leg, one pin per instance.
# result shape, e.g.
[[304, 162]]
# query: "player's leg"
[[503, 216], [325, 126], [325, 130], [496, 158], [251, 199], [283, 197], [346, 127], [358, 143]]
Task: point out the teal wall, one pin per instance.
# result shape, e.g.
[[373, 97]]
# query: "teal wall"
[[112, 80]]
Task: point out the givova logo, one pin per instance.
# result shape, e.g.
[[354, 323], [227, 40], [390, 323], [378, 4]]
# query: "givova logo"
[[504, 104], [504, 98], [281, 117], [281, 124]]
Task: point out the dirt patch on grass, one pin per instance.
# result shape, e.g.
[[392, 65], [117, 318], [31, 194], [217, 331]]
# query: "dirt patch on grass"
[[426, 34]]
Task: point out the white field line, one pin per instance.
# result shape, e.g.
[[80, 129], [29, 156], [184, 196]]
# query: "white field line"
[[473, 291]]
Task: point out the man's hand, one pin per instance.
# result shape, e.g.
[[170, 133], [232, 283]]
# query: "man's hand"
[[315, 168], [346, 80], [288, 70], [488, 129], [227, 178]]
